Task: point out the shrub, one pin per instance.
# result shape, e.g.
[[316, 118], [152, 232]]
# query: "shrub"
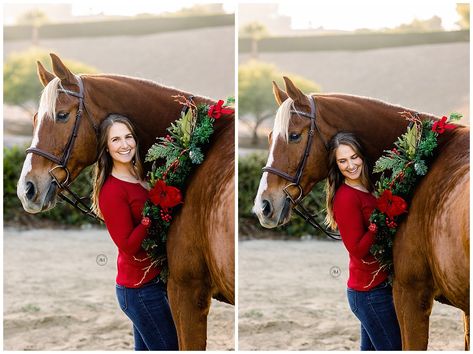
[[249, 175], [63, 213]]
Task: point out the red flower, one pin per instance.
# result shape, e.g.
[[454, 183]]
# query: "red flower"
[[373, 227], [145, 221], [217, 110], [442, 125], [164, 195], [390, 204]]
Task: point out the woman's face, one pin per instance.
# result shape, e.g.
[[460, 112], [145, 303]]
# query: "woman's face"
[[121, 144], [349, 163]]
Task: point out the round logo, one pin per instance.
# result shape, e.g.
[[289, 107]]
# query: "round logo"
[[101, 260], [335, 272]]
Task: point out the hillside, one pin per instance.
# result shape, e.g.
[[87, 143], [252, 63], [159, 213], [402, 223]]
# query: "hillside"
[[429, 78], [200, 60]]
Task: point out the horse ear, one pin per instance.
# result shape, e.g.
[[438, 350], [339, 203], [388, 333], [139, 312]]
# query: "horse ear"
[[292, 91], [61, 71], [44, 76], [279, 94]]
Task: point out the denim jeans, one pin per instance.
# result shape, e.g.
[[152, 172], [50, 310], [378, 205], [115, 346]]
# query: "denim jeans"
[[148, 308], [375, 310]]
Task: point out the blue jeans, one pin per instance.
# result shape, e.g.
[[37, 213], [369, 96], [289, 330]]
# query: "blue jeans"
[[148, 308], [375, 310]]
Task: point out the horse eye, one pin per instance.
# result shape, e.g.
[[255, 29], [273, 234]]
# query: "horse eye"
[[62, 116], [294, 137]]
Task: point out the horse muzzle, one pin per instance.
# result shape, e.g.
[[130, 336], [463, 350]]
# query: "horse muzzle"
[[35, 199], [272, 214]]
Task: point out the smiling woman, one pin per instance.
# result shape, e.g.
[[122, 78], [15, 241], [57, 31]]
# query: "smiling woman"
[[119, 196]]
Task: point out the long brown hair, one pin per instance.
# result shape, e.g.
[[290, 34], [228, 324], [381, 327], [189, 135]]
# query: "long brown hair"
[[104, 165], [335, 177]]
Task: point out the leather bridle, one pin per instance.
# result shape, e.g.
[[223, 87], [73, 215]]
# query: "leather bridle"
[[296, 179], [61, 162]]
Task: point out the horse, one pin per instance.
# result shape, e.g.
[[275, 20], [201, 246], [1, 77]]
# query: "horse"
[[200, 243], [431, 247]]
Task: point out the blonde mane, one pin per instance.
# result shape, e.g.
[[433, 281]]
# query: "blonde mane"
[[47, 102], [283, 118]]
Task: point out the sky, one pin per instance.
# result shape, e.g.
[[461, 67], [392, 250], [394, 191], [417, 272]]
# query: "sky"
[[330, 14], [87, 7], [374, 14]]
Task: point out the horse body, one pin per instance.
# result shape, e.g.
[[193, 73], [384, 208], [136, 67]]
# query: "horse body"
[[435, 240], [200, 245], [431, 247], [198, 250]]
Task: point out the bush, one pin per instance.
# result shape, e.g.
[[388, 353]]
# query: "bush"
[[63, 213], [249, 175]]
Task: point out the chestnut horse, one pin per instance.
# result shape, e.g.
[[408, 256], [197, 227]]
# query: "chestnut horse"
[[431, 247], [200, 242]]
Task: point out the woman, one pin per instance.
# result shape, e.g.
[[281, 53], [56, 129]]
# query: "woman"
[[118, 197], [350, 203]]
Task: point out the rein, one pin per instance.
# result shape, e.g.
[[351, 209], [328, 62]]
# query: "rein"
[[295, 180], [61, 163]]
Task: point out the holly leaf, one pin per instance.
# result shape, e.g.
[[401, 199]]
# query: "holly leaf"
[[185, 126], [455, 117]]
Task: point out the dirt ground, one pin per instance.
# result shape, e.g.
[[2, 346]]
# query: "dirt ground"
[[59, 294], [292, 296]]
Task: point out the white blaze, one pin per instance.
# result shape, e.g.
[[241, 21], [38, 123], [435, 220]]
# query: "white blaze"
[[263, 184]]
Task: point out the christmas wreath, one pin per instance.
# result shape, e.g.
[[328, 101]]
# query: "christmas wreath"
[[173, 158], [401, 168]]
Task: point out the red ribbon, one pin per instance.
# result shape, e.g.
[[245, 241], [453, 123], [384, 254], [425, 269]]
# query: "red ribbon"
[[216, 111], [442, 125]]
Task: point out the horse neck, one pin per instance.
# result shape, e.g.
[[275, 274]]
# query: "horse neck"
[[150, 106], [376, 123]]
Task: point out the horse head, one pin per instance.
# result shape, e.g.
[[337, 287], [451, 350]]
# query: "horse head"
[[297, 157], [60, 148]]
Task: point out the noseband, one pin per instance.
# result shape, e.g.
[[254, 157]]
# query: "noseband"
[[61, 163], [296, 179]]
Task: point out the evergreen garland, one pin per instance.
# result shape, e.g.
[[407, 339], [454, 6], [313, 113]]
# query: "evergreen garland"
[[174, 158], [402, 168]]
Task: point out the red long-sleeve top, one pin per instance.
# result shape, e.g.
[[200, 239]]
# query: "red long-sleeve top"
[[121, 204], [352, 209]]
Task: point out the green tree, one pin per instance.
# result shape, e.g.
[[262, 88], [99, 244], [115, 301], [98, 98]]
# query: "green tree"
[[432, 24], [463, 11], [34, 18], [21, 85], [255, 93], [256, 31]]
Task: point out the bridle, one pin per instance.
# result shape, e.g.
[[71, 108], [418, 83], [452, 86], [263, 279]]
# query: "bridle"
[[61, 162], [296, 179]]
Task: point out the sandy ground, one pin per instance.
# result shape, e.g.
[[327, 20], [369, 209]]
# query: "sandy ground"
[[291, 297], [59, 294]]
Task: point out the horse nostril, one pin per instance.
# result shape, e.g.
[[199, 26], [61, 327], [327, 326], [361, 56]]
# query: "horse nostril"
[[30, 190], [266, 208]]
